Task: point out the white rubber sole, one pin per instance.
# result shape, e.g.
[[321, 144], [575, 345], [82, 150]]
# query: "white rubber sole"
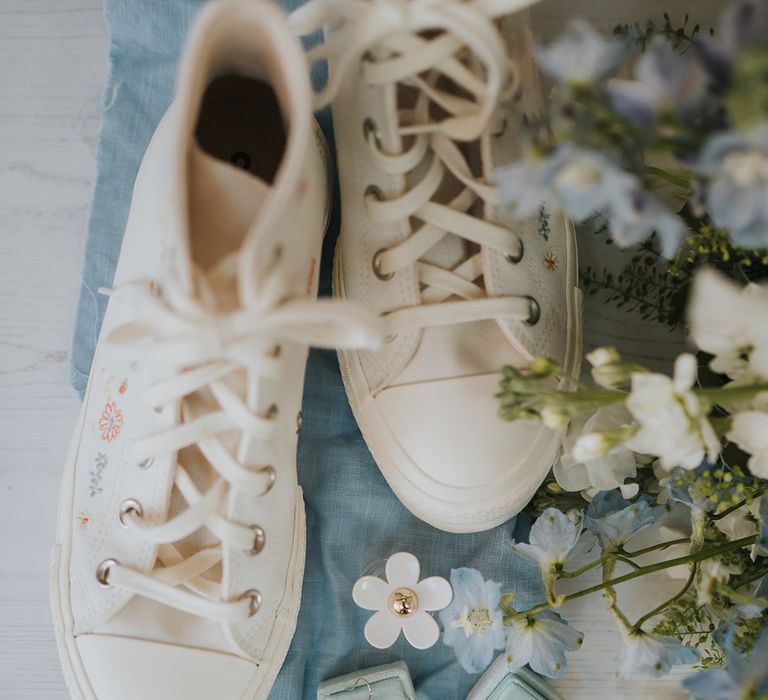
[[455, 511]]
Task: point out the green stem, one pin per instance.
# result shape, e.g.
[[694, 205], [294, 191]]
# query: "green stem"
[[669, 602], [655, 547], [737, 597], [701, 555], [730, 394], [755, 494]]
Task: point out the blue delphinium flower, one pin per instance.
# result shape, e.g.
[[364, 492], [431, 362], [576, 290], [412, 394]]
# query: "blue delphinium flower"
[[541, 641], [582, 55], [741, 678], [614, 520], [473, 624], [666, 79], [577, 181], [652, 654], [554, 541], [636, 216], [736, 165]]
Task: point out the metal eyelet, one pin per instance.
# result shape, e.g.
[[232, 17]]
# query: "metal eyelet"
[[102, 572], [259, 540], [534, 312], [272, 412], [371, 129], [269, 470], [512, 259], [127, 507], [374, 191], [145, 463], [376, 265], [299, 422], [255, 597]]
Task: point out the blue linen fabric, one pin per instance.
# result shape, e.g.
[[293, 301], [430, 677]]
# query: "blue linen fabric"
[[354, 522]]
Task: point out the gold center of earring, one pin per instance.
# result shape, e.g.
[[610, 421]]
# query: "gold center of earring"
[[403, 602]]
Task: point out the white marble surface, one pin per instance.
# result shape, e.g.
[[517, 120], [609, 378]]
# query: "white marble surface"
[[53, 62]]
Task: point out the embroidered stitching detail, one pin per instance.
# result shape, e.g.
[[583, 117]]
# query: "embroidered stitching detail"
[[110, 422], [85, 520], [123, 387], [550, 260], [544, 227], [97, 475]]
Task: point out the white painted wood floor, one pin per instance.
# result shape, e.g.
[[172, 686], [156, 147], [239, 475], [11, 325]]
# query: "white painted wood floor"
[[53, 63]]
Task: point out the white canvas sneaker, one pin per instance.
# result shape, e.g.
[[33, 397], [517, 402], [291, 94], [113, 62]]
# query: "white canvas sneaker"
[[180, 554], [420, 92]]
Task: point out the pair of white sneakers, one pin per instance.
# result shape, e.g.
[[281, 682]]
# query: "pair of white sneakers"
[[181, 537]]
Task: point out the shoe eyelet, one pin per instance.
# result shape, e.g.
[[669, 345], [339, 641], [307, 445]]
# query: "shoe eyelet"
[[376, 265], [375, 192], [130, 506], [272, 412], [255, 604], [102, 572], [276, 351], [146, 463], [259, 540], [514, 259], [371, 129], [271, 474], [299, 422], [277, 253], [534, 312]]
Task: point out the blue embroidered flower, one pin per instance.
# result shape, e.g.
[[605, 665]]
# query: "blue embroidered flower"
[[554, 541], [473, 624], [736, 165], [741, 678], [582, 55], [614, 521], [541, 642], [652, 654]]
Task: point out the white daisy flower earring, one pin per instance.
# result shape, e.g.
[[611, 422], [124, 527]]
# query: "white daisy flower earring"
[[402, 602]]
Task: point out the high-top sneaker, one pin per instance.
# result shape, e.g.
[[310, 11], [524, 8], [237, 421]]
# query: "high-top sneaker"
[[425, 97], [180, 554]]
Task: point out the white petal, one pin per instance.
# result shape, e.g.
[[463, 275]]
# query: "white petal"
[[685, 372], [434, 593], [382, 629], [370, 593], [629, 490], [403, 570], [421, 630]]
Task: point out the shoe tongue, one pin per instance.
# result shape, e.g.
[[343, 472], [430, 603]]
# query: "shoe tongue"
[[224, 203]]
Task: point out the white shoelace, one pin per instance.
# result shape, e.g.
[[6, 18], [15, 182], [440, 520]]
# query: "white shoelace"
[[199, 348], [395, 29]]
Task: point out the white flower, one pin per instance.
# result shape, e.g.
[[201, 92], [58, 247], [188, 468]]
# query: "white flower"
[[589, 460], [402, 602], [652, 654], [742, 522], [713, 572], [673, 422], [749, 431], [731, 323]]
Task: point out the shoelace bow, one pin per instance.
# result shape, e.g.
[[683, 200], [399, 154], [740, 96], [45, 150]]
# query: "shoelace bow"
[[395, 31], [200, 348]]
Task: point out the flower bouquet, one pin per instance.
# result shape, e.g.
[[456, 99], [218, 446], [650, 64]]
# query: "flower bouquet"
[[657, 137]]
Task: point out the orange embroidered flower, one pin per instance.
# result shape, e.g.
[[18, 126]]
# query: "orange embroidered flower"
[[122, 388], [85, 520], [550, 260], [110, 422]]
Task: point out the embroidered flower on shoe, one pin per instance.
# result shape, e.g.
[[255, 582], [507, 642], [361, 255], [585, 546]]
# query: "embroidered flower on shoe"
[[110, 422], [402, 602]]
